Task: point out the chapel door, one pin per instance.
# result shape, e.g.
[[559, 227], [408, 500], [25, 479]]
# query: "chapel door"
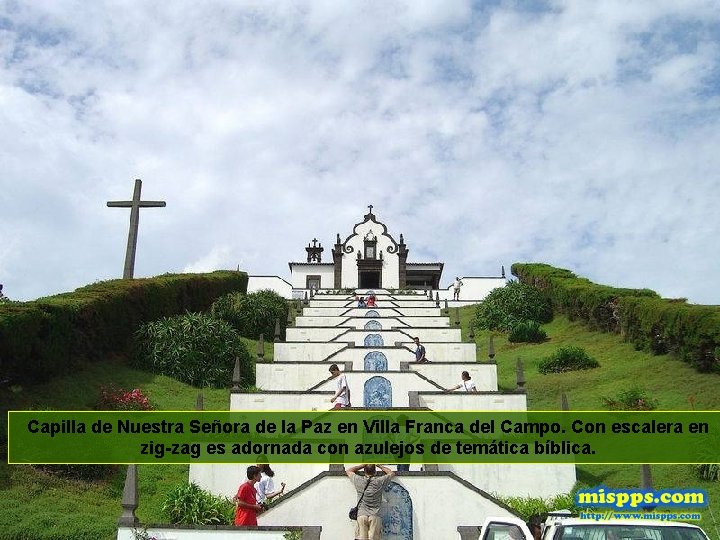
[[369, 279]]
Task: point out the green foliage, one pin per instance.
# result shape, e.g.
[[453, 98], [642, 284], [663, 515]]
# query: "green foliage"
[[567, 359], [293, 535], [653, 324], [86, 473], [253, 314], [527, 507], [47, 337], [507, 306], [632, 399], [187, 504], [527, 332], [708, 471], [194, 348]]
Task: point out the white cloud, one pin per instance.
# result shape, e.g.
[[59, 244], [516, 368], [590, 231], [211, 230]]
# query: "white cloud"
[[582, 134]]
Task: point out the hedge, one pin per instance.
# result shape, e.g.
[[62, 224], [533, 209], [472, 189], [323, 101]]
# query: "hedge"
[[688, 331], [47, 337]]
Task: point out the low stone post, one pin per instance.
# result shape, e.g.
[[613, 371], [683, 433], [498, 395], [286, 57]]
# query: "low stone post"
[[289, 318], [437, 299], [564, 405], [261, 349], [447, 307], [471, 332], [277, 331], [199, 402], [491, 348], [305, 298], [520, 376], [646, 481], [130, 499], [237, 379], [457, 316]]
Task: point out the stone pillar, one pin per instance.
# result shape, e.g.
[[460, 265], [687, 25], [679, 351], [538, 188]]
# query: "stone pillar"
[[130, 499], [236, 380], [337, 254], [520, 376], [277, 331], [402, 262]]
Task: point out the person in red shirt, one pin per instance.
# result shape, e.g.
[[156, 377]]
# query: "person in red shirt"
[[246, 507]]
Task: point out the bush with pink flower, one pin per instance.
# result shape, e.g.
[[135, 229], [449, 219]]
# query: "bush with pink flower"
[[113, 398]]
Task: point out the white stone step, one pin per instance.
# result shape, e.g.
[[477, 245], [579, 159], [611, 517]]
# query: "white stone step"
[[338, 352], [296, 376], [362, 322], [320, 334]]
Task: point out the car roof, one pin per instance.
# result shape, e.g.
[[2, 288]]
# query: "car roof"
[[559, 521]]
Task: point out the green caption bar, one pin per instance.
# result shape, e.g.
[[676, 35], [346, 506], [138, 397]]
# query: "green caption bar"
[[363, 436]]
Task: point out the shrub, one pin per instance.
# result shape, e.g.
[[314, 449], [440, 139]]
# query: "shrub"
[[633, 399], [118, 399], [506, 306], [689, 332], [48, 336], [708, 471], [567, 359], [187, 504], [253, 314], [527, 332], [194, 348], [528, 507]]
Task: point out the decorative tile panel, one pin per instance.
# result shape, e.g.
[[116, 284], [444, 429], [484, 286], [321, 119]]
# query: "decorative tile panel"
[[375, 361], [396, 513], [378, 393], [373, 325]]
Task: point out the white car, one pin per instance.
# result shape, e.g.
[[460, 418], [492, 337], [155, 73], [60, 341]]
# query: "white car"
[[572, 528]]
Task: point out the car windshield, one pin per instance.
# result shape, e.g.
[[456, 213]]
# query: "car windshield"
[[627, 532]]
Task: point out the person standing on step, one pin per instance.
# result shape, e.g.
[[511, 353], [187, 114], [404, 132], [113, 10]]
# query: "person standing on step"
[[342, 395], [456, 288], [266, 485], [246, 506], [370, 487], [419, 351], [466, 385]]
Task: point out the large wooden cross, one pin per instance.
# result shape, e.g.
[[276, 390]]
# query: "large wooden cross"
[[135, 205]]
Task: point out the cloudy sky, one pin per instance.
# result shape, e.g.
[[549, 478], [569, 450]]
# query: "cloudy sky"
[[583, 134]]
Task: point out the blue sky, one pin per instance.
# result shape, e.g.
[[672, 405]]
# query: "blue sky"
[[582, 134]]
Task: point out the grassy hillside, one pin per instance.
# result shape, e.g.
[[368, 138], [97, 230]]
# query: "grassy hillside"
[[673, 383], [40, 506]]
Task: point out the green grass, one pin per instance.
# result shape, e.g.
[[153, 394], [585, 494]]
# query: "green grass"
[[39, 506], [673, 383]]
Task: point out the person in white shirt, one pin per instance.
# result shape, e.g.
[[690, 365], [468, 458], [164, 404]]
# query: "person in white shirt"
[[456, 288], [342, 396], [466, 385], [264, 488]]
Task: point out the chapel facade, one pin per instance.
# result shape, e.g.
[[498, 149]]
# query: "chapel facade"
[[369, 258]]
